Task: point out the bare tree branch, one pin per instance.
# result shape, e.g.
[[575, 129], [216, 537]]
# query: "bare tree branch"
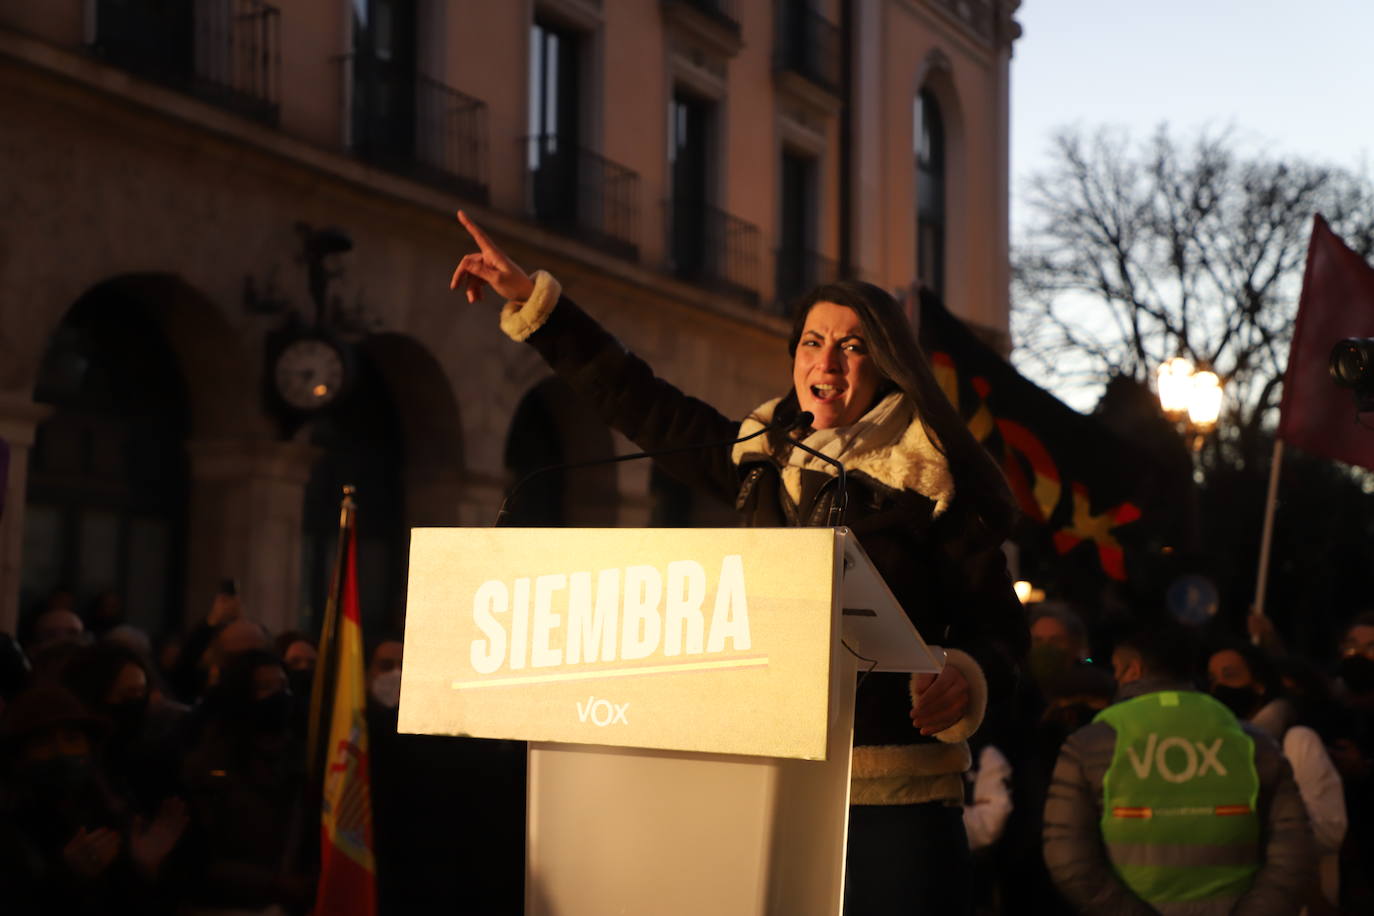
[[1140, 251]]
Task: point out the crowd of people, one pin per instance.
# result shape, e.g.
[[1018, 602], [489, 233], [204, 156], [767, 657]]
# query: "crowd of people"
[[172, 779], [1039, 814]]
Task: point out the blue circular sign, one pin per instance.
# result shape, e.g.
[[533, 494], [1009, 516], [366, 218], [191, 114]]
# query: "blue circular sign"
[[1192, 599]]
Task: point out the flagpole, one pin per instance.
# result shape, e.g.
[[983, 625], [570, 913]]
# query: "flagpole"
[[326, 665], [1267, 534]]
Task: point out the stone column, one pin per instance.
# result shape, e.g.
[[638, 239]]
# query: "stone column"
[[19, 419], [247, 504]]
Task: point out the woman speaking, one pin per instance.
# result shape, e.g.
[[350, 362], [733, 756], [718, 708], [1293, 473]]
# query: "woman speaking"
[[927, 503]]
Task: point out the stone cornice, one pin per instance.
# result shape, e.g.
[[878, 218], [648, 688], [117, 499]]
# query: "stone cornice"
[[987, 25]]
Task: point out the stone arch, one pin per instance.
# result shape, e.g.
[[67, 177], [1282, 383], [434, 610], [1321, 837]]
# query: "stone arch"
[[430, 423], [218, 372], [128, 373], [553, 425]]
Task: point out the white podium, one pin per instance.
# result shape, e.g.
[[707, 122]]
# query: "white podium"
[[687, 694]]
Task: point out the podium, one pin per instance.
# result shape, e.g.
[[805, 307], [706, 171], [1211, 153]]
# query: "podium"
[[687, 696]]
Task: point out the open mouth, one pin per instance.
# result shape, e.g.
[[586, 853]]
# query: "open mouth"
[[826, 392]]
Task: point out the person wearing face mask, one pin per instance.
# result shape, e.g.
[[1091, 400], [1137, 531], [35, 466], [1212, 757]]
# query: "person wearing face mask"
[[68, 844], [298, 656], [927, 502], [1064, 692], [1243, 680], [245, 779], [142, 751], [1167, 804], [384, 673]]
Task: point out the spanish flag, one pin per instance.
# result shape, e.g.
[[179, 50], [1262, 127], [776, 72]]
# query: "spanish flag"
[[348, 872]]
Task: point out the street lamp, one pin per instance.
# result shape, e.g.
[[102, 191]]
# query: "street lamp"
[[1189, 397]]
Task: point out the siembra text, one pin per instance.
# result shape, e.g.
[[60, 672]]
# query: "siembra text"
[[633, 612]]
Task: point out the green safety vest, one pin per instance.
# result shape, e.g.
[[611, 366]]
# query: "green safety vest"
[[1179, 812]]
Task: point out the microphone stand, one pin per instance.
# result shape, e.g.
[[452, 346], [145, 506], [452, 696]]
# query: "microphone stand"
[[802, 419]]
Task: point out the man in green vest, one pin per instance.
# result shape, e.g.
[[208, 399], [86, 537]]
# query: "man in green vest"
[[1167, 804]]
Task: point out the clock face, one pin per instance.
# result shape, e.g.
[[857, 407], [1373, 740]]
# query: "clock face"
[[309, 373]]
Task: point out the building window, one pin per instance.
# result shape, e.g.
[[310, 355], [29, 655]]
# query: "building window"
[[691, 123], [226, 52], [384, 79], [555, 102], [797, 261], [930, 193]]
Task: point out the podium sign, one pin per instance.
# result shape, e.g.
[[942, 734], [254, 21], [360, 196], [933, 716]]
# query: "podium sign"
[[695, 640]]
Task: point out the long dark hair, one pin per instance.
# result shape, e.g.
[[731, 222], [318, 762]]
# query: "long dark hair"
[[903, 365]]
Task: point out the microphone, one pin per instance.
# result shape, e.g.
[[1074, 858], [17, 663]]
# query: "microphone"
[[800, 420], [841, 502]]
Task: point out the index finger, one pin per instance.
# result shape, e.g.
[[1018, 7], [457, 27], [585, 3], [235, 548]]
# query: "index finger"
[[477, 234]]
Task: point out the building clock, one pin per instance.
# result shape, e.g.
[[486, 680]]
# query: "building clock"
[[310, 372]]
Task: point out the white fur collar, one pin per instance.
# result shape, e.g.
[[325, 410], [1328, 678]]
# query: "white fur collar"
[[912, 462]]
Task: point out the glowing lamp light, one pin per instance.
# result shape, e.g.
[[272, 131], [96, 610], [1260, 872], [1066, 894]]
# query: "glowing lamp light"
[[1027, 593], [1204, 402], [320, 390], [1174, 381]]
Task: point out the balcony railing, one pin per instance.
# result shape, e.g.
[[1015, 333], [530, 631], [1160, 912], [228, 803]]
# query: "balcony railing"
[[808, 44], [584, 194], [410, 124], [225, 51], [712, 248], [798, 273]]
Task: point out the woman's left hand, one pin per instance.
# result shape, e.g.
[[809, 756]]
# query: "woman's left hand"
[[941, 700]]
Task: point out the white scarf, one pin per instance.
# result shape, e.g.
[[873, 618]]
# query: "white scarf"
[[888, 444]]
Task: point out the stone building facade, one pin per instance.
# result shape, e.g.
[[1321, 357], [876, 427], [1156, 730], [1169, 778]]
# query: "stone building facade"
[[177, 178]]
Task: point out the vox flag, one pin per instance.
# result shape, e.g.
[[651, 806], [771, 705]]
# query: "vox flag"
[[1337, 302], [348, 874]]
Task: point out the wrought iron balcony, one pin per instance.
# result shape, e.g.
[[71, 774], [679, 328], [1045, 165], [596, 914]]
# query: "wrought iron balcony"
[[584, 194], [808, 44], [407, 123], [225, 51], [714, 249], [798, 273]]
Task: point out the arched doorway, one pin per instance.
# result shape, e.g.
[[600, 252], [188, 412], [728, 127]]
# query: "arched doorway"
[[105, 518], [553, 426]]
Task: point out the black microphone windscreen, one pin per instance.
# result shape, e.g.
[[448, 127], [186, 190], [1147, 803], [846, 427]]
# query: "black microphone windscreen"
[[803, 420]]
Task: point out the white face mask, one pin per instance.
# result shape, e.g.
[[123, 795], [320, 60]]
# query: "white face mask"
[[386, 689]]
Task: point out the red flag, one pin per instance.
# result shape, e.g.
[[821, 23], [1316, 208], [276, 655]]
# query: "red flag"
[[1337, 302], [348, 874]]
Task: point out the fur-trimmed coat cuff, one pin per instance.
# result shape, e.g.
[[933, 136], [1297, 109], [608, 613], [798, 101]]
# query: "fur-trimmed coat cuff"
[[521, 319], [977, 702]]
